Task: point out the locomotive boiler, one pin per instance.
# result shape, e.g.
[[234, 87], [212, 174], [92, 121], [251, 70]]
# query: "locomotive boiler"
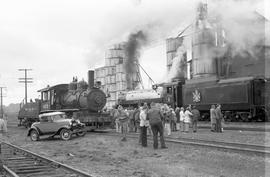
[[137, 97], [84, 99]]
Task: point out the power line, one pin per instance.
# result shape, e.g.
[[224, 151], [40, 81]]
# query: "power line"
[[1, 95], [25, 80]]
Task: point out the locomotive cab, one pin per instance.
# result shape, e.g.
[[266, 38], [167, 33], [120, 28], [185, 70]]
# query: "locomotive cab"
[[172, 93], [51, 97]]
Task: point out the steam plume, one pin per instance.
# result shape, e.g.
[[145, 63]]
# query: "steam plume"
[[244, 27], [132, 49], [178, 69]]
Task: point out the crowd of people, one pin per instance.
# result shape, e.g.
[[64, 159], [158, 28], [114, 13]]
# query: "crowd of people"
[[157, 118]]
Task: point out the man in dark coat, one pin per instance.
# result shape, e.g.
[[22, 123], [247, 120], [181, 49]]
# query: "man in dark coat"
[[155, 116], [136, 118], [219, 117], [195, 118]]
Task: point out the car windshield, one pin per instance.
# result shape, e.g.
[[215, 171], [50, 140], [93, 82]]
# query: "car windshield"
[[52, 118], [59, 117]]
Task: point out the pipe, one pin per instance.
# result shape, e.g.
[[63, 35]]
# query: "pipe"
[[91, 74]]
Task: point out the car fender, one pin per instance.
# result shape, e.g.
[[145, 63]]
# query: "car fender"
[[34, 128], [59, 130]]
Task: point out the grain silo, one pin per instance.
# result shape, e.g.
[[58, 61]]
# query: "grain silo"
[[203, 43]]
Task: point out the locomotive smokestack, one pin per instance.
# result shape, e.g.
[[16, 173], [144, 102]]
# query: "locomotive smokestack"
[[91, 74]]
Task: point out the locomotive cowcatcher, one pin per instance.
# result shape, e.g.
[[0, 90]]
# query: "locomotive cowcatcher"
[[78, 99]]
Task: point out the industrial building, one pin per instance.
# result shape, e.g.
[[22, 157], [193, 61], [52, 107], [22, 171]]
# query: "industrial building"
[[114, 76], [213, 55]]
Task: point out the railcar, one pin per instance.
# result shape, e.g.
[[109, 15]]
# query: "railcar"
[[83, 100], [28, 113], [242, 99]]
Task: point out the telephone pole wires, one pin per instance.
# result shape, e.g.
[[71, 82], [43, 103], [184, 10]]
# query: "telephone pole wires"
[[1, 95], [25, 80]]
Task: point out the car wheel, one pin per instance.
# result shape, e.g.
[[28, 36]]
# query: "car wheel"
[[34, 135], [81, 133], [65, 134]]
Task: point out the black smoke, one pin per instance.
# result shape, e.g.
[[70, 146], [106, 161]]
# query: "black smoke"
[[132, 49]]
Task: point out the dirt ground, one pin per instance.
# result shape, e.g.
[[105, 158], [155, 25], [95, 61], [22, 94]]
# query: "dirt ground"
[[236, 136], [102, 155]]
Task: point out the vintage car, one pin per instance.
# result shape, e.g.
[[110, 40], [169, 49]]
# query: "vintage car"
[[56, 123]]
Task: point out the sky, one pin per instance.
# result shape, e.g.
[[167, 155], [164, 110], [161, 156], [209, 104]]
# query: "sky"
[[59, 39]]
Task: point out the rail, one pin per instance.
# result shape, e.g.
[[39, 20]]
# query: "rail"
[[21, 162]]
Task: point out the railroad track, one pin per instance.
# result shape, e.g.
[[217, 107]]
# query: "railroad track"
[[18, 162], [258, 149]]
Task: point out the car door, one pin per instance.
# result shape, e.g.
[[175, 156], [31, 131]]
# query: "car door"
[[46, 125]]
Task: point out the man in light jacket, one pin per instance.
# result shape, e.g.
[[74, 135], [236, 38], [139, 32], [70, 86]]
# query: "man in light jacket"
[[123, 120], [143, 125], [182, 118], [187, 121], [213, 118]]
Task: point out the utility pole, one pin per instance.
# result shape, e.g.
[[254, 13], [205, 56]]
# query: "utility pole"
[[1, 95], [25, 80]]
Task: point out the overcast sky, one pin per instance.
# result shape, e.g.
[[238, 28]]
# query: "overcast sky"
[[60, 39]]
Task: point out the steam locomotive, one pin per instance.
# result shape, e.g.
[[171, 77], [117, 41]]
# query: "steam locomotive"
[[86, 100]]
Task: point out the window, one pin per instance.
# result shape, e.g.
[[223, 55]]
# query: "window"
[[53, 97], [169, 90], [44, 96], [59, 117], [120, 61], [50, 119], [44, 119]]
